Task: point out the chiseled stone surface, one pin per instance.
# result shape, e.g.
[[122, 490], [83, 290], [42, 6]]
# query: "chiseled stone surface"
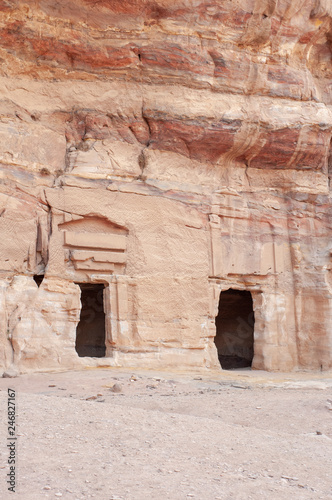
[[170, 149]]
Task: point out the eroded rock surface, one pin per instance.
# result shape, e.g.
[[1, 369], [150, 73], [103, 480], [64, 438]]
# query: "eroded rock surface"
[[170, 150]]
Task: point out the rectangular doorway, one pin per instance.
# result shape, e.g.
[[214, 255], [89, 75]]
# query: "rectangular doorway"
[[90, 332], [235, 329]]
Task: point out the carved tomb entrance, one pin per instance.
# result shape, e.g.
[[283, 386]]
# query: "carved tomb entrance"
[[235, 329], [90, 332]]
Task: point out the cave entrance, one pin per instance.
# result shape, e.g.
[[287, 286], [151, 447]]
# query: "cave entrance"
[[235, 329], [90, 332]]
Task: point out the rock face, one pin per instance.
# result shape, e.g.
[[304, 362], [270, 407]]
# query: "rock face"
[[170, 150]]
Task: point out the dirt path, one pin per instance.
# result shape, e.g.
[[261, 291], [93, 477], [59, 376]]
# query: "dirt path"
[[235, 435]]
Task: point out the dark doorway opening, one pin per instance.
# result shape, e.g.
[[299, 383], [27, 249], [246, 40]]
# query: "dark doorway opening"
[[90, 332], [235, 329]]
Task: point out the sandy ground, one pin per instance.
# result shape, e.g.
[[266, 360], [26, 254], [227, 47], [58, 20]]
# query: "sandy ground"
[[230, 435]]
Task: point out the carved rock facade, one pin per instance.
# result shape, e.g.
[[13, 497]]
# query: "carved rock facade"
[[170, 151]]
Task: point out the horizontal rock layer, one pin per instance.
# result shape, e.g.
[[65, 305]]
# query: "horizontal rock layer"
[[280, 49]]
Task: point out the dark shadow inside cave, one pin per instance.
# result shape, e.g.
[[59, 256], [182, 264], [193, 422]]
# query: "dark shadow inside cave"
[[235, 329]]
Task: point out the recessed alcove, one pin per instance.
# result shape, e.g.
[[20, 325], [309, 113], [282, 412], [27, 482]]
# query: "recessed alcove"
[[235, 329], [90, 332]]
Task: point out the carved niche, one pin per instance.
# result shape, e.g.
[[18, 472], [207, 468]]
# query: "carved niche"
[[95, 244]]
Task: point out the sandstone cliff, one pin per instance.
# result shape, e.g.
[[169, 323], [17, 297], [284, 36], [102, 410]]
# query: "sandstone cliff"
[[171, 150]]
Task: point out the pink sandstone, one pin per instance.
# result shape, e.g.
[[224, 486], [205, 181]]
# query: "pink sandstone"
[[169, 150]]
